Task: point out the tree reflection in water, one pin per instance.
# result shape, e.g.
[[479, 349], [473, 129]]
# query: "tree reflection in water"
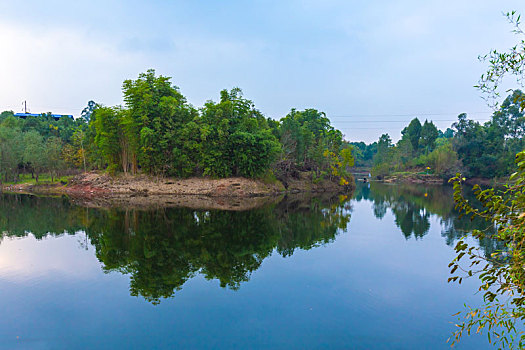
[[161, 249], [412, 206]]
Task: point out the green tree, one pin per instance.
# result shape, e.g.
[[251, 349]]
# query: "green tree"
[[305, 135], [479, 147], [157, 114], [429, 134], [35, 152], [53, 156], [413, 133], [402, 155], [5, 114], [364, 153], [235, 137], [110, 137], [11, 150], [88, 111], [384, 148]]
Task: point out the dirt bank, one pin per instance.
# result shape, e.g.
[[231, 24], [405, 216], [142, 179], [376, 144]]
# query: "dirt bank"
[[123, 187], [414, 178], [437, 180], [141, 185]]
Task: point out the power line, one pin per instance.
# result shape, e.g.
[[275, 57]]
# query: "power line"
[[401, 115], [399, 121], [350, 129]]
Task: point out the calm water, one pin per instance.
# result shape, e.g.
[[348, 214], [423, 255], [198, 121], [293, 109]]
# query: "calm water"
[[368, 272]]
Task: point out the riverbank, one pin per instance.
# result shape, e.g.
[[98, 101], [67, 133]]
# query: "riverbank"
[[98, 184], [432, 179], [413, 178]]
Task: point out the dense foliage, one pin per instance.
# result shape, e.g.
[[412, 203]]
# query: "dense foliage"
[[476, 150], [310, 143], [158, 132]]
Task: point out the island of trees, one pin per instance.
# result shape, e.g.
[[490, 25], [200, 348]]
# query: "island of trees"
[[158, 132]]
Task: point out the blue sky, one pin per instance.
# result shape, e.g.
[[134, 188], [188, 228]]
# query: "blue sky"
[[370, 65]]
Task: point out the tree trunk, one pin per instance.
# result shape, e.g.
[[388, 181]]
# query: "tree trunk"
[[134, 166]]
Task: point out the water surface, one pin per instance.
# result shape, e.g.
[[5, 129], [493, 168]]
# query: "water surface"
[[362, 272]]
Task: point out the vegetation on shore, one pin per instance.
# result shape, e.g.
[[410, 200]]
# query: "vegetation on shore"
[[476, 150], [157, 132], [502, 274]]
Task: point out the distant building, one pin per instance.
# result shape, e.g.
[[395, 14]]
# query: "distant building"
[[55, 116]]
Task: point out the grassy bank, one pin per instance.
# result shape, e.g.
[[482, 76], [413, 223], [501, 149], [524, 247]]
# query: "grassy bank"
[[43, 179]]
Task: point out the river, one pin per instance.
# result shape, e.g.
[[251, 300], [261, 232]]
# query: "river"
[[364, 271]]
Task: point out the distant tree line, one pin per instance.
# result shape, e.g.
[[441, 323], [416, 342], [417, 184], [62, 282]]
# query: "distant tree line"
[[158, 132], [474, 149]]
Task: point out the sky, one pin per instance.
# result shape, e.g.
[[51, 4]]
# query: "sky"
[[372, 66]]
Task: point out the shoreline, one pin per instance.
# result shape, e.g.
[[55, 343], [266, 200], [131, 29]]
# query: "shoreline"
[[95, 185], [411, 178], [437, 180]]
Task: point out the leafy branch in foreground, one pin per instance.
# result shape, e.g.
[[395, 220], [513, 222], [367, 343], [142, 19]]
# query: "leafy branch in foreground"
[[504, 63], [502, 275]]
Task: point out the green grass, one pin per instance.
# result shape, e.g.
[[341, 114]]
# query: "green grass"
[[42, 179]]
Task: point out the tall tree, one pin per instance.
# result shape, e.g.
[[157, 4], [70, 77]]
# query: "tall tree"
[[429, 134], [87, 112], [235, 136], [413, 133], [157, 115], [384, 146], [34, 153], [110, 137]]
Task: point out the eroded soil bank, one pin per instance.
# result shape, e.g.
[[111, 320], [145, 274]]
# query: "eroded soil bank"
[[99, 189], [438, 180], [411, 178]]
